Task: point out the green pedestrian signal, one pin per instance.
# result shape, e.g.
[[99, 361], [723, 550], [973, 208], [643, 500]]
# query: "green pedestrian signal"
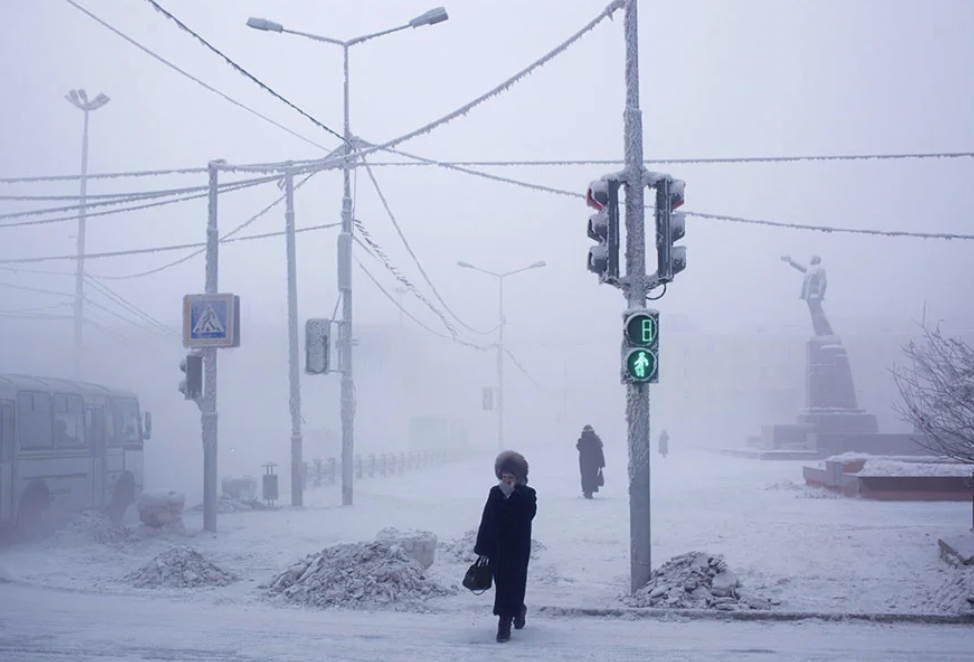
[[640, 365], [640, 346]]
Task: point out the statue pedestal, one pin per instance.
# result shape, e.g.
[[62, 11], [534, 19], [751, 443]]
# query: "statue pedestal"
[[830, 393]]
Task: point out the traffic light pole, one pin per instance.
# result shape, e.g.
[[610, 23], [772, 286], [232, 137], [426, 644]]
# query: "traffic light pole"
[[500, 364], [294, 370], [345, 285], [637, 395], [208, 401]]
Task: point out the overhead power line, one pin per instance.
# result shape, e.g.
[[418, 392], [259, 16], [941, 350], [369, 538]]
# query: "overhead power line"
[[156, 249], [182, 26], [409, 249], [226, 237], [686, 161]]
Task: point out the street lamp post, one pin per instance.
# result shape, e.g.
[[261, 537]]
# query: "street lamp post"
[[79, 99], [501, 322], [432, 17]]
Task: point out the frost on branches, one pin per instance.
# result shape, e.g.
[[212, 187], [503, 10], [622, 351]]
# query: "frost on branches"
[[936, 386]]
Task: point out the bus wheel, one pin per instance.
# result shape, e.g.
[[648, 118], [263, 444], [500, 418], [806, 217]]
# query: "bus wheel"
[[122, 497], [32, 504]]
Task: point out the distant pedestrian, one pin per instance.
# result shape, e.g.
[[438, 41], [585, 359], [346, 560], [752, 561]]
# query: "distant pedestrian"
[[591, 461], [504, 538], [664, 444]]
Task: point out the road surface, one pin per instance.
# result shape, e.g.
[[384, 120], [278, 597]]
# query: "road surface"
[[44, 625]]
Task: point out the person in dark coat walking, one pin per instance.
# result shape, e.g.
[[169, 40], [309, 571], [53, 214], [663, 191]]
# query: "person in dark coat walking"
[[664, 444], [591, 461], [504, 538]]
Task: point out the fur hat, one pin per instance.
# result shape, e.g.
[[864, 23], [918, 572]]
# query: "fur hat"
[[512, 463]]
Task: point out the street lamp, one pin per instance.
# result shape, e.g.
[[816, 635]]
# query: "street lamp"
[[432, 17], [500, 340], [79, 99]]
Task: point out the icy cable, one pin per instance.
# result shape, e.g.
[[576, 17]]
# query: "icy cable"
[[156, 249], [376, 251], [178, 196], [191, 76], [712, 217], [227, 237], [409, 249], [156, 193], [125, 304], [517, 364], [246, 74], [408, 314], [699, 161]]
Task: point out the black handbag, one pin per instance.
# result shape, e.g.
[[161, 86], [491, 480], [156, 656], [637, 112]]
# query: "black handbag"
[[478, 577], [601, 479]]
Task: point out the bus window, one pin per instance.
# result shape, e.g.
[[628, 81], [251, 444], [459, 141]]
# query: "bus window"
[[6, 432], [69, 420], [126, 424], [34, 420]]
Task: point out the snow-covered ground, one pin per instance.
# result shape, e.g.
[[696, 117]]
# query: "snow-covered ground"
[[785, 542], [39, 625], [877, 465]]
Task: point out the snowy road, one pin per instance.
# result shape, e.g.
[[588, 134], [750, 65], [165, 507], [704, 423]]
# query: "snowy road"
[[42, 625]]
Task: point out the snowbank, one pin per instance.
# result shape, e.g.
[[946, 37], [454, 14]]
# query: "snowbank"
[[696, 580], [229, 504], [372, 575], [956, 594], [180, 567], [460, 550], [91, 527], [419, 545], [893, 465]]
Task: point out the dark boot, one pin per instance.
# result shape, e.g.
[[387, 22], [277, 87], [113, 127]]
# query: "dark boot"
[[588, 495], [503, 629], [521, 619]]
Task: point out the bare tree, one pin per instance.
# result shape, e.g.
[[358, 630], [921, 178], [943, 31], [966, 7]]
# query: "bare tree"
[[937, 394]]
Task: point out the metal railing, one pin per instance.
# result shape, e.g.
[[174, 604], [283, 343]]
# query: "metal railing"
[[327, 471]]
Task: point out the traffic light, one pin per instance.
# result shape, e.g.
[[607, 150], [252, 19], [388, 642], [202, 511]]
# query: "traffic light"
[[670, 228], [603, 227], [640, 355], [317, 346], [192, 385]]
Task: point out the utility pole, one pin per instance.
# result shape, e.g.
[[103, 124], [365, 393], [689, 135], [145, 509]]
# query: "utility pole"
[[637, 395], [500, 364], [294, 370], [432, 17], [79, 99], [208, 402]]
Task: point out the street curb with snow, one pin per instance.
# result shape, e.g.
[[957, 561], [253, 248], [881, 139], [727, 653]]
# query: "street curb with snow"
[[755, 615]]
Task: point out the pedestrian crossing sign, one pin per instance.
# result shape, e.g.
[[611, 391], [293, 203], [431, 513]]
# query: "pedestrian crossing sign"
[[211, 320]]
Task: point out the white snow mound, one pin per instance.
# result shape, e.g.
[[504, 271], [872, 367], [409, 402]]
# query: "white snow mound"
[[461, 549], [180, 567], [373, 575], [92, 527], [956, 594], [420, 545], [226, 505], [696, 580]]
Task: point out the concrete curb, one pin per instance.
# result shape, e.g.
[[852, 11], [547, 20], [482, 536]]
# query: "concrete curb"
[[755, 615]]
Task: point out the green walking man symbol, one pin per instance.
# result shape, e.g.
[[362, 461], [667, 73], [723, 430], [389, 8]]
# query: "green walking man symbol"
[[641, 365]]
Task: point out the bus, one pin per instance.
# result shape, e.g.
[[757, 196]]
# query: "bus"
[[68, 446]]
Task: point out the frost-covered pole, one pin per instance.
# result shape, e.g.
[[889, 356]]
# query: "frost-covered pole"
[[208, 404], [345, 335], [637, 395], [294, 374], [500, 364]]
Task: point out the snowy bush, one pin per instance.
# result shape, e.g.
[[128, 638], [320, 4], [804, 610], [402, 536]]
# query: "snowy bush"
[[358, 576], [180, 567], [696, 581]]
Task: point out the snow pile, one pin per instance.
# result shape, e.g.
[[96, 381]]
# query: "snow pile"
[[802, 490], [160, 508], [461, 549], [371, 575], [956, 594], [419, 545], [885, 467], [696, 581], [226, 505], [92, 527], [180, 567]]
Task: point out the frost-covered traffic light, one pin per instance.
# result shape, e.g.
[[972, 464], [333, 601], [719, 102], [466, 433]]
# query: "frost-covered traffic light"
[[317, 346], [603, 227], [670, 228], [192, 385]]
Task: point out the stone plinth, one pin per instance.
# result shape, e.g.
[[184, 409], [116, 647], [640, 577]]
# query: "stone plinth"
[[828, 375]]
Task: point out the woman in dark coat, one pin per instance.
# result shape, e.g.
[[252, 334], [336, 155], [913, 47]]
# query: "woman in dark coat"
[[591, 460], [504, 538]]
